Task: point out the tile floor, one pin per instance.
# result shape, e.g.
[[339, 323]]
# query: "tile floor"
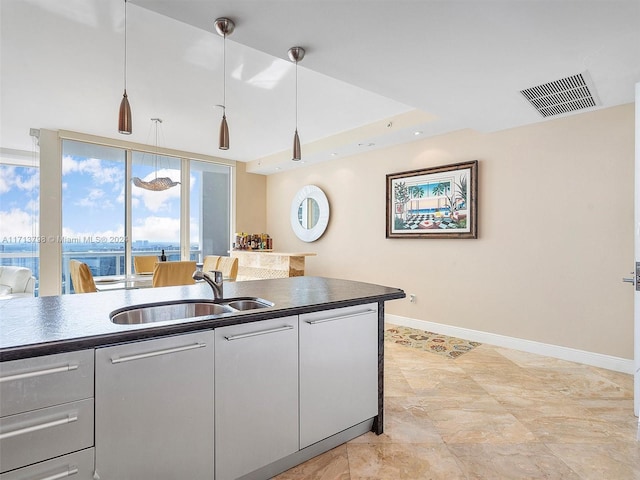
[[492, 413]]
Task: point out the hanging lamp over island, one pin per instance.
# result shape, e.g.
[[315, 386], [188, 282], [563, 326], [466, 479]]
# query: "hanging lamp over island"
[[224, 27], [296, 54], [124, 116]]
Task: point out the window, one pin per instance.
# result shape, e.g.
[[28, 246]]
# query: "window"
[[106, 217], [155, 215], [93, 208], [210, 208], [19, 215]]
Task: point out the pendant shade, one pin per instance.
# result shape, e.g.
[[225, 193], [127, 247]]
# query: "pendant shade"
[[124, 118], [297, 154], [223, 141]]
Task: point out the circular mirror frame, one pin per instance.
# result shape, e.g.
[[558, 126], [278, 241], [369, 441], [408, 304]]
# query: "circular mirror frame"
[[310, 234]]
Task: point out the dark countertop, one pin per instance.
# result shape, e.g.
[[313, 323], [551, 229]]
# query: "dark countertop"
[[31, 327]]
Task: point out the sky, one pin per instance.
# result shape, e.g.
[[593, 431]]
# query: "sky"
[[93, 192]]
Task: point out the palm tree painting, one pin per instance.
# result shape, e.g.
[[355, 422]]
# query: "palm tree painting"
[[433, 202]]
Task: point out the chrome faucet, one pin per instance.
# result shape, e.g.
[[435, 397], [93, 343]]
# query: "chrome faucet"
[[215, 283]]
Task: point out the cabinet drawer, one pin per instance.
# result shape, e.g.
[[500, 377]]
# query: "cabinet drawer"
[[75, 466], [41, 382], [35, 436]]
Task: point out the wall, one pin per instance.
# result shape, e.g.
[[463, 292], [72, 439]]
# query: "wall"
[[251, 209], [555, 231]]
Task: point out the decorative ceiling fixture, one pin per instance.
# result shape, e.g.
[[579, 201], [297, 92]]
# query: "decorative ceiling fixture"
[[224, 27], [124, 118], [295, 55], [157, 184]]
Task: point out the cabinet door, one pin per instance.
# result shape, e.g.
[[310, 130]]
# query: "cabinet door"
[[154, 409], [338, 370], [256, 388]]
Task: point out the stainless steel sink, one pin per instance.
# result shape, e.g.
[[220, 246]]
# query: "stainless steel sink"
[[248, 304], [183, 309]]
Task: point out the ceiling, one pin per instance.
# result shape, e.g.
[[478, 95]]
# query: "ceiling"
[[375, 73]]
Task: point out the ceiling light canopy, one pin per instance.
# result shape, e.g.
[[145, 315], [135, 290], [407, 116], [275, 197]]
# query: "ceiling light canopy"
[[224, 27]]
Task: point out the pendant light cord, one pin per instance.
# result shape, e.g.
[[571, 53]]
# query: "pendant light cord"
[[125, 45], [296, 95], [224, 74]]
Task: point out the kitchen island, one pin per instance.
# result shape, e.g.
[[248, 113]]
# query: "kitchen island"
[[237, 395]]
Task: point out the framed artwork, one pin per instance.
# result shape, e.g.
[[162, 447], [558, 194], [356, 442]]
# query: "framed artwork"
[[438, 202]]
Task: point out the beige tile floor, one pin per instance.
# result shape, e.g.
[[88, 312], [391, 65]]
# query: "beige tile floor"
[[492, 413]]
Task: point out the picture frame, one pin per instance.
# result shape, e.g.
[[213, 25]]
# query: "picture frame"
[[436, 202]]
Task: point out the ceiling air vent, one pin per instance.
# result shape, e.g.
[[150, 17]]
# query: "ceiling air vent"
[[562, 96]]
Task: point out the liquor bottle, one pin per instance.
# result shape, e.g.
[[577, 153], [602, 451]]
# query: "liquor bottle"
[[163, 257]]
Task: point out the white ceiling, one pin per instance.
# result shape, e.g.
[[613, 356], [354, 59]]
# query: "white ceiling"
[[375, 71]]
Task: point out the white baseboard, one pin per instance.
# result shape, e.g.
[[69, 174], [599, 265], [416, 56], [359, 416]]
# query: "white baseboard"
[[564, 353]]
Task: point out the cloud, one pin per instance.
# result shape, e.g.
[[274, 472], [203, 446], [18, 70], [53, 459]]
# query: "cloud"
[[22, 178], [98, 169], [157, 229], [17, 223], [95, 199]]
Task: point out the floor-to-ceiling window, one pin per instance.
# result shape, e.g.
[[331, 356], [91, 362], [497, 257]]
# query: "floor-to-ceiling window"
[[210, 202], [93, 208], [155, 215], [19, 211], [105, 216]]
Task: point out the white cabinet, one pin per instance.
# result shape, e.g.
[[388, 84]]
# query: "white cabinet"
[[46, 409], [338, 370], [256, 389], [154, 409]]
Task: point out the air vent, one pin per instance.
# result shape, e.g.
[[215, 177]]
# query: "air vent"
[[561, 96]]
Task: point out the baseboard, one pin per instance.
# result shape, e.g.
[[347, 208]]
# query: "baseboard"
[[564, 353]]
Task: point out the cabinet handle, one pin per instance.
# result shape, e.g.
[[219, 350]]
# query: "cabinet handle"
[[68, 473], [37, 373], [259, 332], [331, 319], [166, 351], [41, 426]]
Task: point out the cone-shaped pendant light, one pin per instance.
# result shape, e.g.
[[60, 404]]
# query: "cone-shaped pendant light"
[[124, 117], [224, 27], [295, 55]]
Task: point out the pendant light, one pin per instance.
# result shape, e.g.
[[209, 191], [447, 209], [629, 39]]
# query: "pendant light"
[[124, 118], [295, 55], [157, 184], [224, 27]]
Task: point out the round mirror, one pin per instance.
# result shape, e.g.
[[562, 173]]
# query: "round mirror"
[[309, 213]]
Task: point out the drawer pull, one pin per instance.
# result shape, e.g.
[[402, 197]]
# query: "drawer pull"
[[259, 332], [331, 319], [41, 426], [68, 473], [166, 351], [38, 373]]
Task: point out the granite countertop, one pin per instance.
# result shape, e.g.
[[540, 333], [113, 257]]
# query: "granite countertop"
[[42, 326]]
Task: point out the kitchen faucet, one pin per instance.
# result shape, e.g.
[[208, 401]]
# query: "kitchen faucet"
[[215, 283]]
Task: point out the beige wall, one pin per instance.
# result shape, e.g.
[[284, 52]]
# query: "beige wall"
[[251, 208], [555, 231]]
